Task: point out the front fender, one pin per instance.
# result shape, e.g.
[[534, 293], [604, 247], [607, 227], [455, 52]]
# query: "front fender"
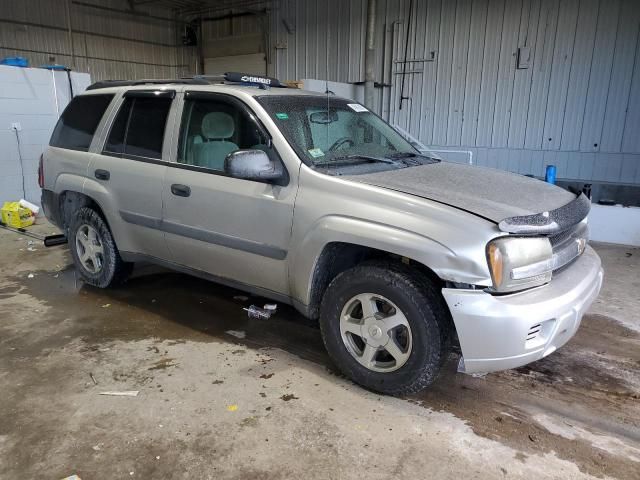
[[446, 263]]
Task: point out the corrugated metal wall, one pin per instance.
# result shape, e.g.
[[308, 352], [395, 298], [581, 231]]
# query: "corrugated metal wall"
[[577, 105], [107, 44]]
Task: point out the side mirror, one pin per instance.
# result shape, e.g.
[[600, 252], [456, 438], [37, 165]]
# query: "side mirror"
[[254, 165]]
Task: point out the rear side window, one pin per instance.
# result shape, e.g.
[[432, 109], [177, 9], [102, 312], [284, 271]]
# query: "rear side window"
[[79, 121], [138, 129]]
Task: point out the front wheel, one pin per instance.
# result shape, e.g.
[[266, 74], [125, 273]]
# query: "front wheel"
[[385, 326]]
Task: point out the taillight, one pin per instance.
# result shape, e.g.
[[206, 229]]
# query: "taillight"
[[41, 172]]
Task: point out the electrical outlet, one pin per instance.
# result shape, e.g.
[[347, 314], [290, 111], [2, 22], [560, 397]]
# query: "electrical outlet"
[[16, 126]]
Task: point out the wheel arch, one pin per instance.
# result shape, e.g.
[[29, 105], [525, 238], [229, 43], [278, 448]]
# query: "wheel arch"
[[337, 257]]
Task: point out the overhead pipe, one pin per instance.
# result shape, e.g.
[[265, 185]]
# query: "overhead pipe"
[[369, 55]]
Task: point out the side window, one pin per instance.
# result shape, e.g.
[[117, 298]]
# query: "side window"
[[138, 129], [79, 121], [213, 128]]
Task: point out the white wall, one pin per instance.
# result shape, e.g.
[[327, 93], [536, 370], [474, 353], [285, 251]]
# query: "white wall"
[[33, 99]]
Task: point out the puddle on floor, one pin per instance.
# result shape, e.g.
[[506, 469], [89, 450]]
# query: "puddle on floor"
[[582, 384]]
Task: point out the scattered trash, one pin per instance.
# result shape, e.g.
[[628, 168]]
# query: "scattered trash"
[[478, 375], [157, 457], [26, 204], [241, 298], [258, 313], [126, 393], [272, 307], [232, 408], [93, 378], [31, 275], [30, 246], [236, 333], [106, 305], [97, 448], [72, 477], [16, 216], [533, 438]]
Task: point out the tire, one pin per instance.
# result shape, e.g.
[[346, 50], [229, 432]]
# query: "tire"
[[422, 344], [100, 263]]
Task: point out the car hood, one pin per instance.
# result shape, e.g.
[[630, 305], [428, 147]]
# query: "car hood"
[[489, 193]]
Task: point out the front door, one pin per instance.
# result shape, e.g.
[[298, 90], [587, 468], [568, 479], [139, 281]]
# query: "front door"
[[231, 228]]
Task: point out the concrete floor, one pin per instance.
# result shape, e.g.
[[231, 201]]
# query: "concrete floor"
[[270, 405]]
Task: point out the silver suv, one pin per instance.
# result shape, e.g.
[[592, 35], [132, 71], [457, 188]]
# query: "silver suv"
[[314, 201]]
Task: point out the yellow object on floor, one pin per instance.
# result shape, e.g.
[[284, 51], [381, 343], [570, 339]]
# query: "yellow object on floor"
[[16, 216]]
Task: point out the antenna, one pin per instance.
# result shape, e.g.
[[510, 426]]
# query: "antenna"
[[326, 74]]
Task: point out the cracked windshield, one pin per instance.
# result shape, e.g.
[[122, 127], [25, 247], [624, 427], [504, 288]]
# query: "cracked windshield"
[[333, 132]]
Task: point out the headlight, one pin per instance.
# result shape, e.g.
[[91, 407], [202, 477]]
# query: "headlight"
[[511, 258]]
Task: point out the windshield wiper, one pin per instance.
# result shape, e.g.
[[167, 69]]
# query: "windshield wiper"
[[405, 155], [356, 157]]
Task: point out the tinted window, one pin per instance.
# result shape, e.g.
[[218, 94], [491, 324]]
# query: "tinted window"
[[115, 143], [139, 127], [211, 129], [79, 121]]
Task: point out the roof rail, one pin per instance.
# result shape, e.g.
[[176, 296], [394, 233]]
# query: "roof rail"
[[236, 78], [130, 83]]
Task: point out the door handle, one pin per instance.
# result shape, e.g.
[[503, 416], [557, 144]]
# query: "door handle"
[[180, 190], [102, 174]]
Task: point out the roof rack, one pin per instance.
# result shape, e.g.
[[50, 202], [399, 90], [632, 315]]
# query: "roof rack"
[[235, 78], [130, 83]]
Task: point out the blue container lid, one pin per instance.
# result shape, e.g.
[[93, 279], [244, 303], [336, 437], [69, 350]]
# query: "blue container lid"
[[15, 61]]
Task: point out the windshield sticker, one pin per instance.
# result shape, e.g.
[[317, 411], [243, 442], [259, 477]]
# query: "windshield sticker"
[[282, 116], [356, 107], [316, 152]]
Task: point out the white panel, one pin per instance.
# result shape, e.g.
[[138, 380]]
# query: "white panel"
[[542, 71], [559, 81], [443, 83], [600, 75], [489, 72], [474, 71], [458, 72], [522, 80], [621, 75], [506, 71]]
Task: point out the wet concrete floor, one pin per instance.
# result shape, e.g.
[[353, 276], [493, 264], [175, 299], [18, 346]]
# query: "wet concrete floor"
[[224, 396]]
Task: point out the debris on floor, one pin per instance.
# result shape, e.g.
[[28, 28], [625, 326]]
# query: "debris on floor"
[[106, 305], [126, 393], [258, 313], [14, 215], [72, 477], [232, 408], [236, 333], [31, 275], [241, 298], [272, 307], [95, 382]]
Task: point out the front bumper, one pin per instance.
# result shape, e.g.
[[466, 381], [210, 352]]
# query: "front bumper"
[[507, 331]]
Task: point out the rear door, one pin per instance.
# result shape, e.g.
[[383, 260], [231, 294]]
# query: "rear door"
[[127, 175], [231, 228]]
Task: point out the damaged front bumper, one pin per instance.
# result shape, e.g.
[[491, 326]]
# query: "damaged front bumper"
[[508, 331]]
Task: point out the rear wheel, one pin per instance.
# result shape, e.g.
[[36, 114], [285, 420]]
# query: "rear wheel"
[[386, 327], [94, 252]]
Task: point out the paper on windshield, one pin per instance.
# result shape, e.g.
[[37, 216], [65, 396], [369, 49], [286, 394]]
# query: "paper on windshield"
[[356, 107]]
